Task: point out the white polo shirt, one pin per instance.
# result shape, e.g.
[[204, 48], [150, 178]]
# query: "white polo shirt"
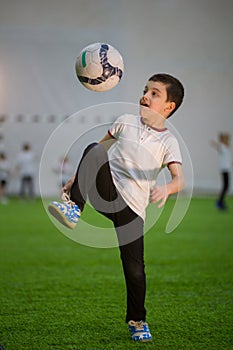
[[137, 158]]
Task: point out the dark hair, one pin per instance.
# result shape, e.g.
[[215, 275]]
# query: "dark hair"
[[175, 90]]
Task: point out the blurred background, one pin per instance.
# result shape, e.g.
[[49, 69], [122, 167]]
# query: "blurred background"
[[39, 44]]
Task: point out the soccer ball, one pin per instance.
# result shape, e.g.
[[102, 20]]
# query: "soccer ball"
[[99, 67]]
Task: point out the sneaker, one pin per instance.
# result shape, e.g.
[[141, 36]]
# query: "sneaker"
[[221, 205], [67, 213], [140, 331]]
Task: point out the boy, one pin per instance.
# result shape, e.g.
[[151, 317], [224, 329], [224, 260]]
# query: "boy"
[[122, 182]]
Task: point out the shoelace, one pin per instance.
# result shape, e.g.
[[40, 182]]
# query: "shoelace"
[[66, 199], [138, 325]]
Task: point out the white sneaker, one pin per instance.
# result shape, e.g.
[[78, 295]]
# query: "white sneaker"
[[67, 213], [140, 331]]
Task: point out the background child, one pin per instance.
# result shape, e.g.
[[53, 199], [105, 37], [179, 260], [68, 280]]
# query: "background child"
[[225, 165], [4, 177], [25, 164]]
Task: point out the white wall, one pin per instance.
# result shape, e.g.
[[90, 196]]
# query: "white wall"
[[39, 42]]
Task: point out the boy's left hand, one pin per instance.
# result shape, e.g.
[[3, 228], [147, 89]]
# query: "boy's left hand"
[[159, 194]]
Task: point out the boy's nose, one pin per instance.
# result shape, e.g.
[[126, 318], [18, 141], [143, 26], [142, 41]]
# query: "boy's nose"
[[145, 98]]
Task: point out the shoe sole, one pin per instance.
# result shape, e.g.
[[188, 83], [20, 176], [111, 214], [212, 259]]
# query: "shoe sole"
[[56, 213], [143, 341]]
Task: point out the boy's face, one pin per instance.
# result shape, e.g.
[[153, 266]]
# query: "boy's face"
[[155, 98]]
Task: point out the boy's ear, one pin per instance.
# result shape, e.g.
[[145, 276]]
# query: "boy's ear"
[[170, 107]]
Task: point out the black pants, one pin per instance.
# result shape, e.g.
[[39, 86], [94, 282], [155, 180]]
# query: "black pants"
[[94, 179], [225, 186], [27, 186]]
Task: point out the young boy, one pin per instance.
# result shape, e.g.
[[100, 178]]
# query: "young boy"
[[122, 182]]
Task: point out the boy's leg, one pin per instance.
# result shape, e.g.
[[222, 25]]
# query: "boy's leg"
[[131, 244], [93, 178], [76, 194]]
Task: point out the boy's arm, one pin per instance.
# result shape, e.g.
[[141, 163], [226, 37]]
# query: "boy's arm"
[[161, 193], [107, 141]]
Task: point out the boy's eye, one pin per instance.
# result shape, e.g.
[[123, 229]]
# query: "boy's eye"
[[154, 93]]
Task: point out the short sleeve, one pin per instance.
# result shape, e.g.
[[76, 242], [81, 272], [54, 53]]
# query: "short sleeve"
[[173, 154], [117, 127]]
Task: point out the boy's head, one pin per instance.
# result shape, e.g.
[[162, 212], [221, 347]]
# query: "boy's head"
[[174, 89]]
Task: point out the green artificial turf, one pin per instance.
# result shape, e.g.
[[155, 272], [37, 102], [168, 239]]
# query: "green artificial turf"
[[58, 294]]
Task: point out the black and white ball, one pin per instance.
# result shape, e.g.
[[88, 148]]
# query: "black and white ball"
[[99, 67]]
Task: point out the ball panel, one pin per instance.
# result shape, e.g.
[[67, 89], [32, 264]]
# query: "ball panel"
[[84, 62], [104, 86], [115, 58]]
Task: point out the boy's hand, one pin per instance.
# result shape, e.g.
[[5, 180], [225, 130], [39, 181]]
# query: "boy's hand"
[[159, 194]]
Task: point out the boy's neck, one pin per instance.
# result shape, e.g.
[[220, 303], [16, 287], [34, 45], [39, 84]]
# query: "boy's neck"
[[158, 123], [152, 119]]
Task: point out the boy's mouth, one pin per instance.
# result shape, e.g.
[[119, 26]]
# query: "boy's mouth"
[[144, 104]]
